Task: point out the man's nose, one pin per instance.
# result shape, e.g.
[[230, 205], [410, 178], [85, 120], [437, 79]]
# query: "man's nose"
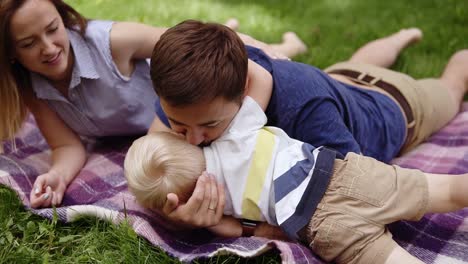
[[195, 136]]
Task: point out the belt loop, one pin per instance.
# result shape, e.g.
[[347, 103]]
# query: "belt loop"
[[375, 80], [362, 76]]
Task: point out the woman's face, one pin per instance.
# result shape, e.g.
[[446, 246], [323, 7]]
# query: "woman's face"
[[40, 40]]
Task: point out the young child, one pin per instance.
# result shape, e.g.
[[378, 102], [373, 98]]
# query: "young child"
[[339, 207]]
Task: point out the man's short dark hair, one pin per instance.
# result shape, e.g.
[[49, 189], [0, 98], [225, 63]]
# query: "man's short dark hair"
[[196, 62]]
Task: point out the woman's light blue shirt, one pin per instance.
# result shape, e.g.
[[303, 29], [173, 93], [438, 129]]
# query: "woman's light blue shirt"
[[101, 101]]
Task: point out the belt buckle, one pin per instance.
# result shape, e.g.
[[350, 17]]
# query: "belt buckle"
[[365, 78]]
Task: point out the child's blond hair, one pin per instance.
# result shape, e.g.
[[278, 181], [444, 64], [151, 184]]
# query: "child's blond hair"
[[161, 163]]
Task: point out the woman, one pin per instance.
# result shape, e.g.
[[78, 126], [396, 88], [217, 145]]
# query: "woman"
[[77, 77]]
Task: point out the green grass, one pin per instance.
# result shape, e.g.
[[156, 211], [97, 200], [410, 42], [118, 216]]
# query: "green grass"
[[332, 29]]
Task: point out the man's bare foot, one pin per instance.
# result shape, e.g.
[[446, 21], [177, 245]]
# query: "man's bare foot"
[[407, 36], [232, 23], [294, 42]]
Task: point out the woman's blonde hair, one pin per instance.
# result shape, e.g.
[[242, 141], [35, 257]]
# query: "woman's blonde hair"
[[161, 163], [14, 78]]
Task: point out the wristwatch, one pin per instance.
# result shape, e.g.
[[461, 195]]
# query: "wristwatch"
[[248, 227]]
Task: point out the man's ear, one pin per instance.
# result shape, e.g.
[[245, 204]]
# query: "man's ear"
[[247, 86]]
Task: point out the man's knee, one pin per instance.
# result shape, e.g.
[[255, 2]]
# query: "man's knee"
[[461, 56]]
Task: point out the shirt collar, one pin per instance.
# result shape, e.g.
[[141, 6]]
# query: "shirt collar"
[[249, 118], [84, 66]]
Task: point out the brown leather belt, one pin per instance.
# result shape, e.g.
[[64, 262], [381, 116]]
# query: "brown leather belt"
[[364, 78]]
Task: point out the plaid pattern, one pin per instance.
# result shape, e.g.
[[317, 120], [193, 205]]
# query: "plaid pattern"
[[100, 190]]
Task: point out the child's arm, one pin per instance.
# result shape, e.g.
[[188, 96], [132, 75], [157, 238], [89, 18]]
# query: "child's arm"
[[68, 156], [227, 227]]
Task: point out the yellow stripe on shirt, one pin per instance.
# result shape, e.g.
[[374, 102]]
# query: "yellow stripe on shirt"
[[257, 172]]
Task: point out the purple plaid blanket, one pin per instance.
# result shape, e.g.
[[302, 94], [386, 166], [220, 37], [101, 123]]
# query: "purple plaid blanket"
[[101, 190]]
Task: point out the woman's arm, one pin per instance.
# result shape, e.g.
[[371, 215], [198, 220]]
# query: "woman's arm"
[[130, 41], [268, 49], [68, 156]]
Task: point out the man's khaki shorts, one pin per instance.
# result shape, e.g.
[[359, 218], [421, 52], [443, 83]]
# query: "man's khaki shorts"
[[430, 102], [363, 196]]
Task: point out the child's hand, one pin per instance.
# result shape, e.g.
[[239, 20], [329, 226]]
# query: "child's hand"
[[203, 209], [48, 190]]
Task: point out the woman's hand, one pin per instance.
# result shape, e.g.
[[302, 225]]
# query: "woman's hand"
[[203, 209], [48, 190]]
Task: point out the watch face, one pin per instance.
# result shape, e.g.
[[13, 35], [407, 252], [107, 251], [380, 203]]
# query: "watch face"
[[247, 222], [248, 227]]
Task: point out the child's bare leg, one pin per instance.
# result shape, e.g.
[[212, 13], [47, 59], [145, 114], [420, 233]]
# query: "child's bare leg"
[[400, 255], [383, 250], [383, 52], [455, 76], [447, 193], [291, 46]]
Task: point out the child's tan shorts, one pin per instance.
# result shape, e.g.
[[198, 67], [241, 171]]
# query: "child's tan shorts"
[[426, 102], [363, 196]]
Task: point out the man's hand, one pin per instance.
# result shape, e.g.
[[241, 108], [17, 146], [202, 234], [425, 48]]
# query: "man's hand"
[[272, 232], [203, 209]]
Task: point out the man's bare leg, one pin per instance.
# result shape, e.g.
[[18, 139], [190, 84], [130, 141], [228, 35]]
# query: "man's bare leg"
[[383, 52]]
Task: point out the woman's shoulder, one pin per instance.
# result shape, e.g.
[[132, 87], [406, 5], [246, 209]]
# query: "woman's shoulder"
[[98, 28], [97, 35]]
